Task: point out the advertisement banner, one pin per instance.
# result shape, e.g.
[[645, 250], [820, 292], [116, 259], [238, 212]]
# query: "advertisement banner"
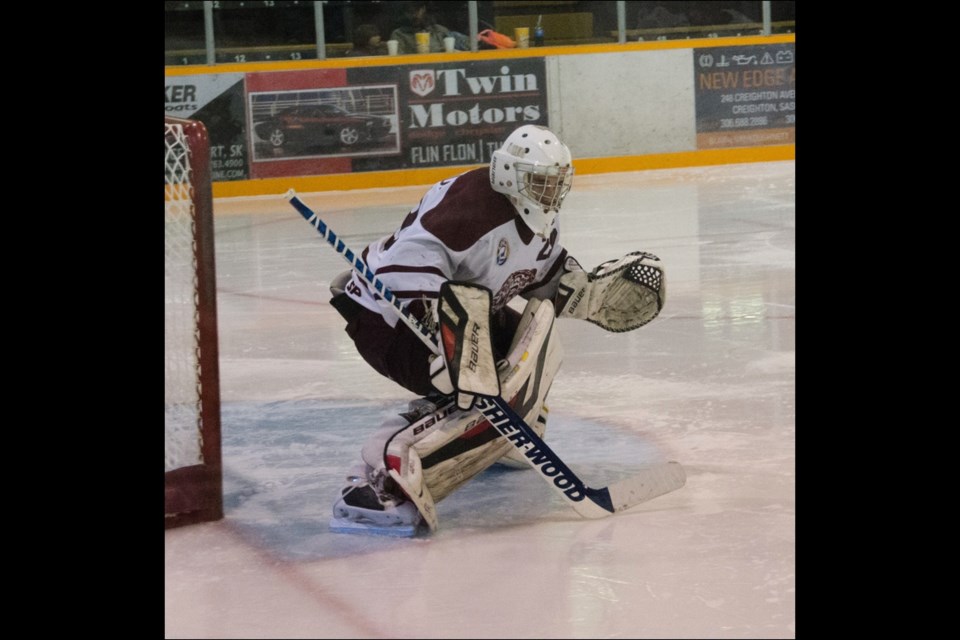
[[745, 96], [317, 121], [459, 113], [216, 100], [322, 121]]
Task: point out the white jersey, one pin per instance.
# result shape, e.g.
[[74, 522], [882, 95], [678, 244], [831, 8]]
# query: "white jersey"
[[462, 230]]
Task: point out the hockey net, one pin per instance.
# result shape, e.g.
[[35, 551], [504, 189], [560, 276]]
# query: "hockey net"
[[193, 476]]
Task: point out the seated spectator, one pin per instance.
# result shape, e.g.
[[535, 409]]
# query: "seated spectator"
[[367, 42], [659, 16], [416, 19]]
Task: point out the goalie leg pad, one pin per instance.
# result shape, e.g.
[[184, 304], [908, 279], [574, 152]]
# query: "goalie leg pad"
[[389, 451], [431, 457], [525, 377], [513, 458]]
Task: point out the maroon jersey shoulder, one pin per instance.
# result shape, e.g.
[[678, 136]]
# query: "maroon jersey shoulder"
[[469, 210]]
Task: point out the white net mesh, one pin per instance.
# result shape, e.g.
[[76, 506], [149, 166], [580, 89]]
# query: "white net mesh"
[[182, 418]]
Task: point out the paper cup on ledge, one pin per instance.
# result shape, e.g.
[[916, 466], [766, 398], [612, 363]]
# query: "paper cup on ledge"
[[423, 42], [392, 47], [449, 44], [522, 36]]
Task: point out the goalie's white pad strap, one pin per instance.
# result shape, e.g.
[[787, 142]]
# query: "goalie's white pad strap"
[[466, 345], [619, 295]]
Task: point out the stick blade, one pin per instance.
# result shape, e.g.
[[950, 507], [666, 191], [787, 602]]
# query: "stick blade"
[[646, 485]]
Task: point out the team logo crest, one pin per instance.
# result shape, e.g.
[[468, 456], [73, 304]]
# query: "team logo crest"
[[423, 81], [503, 252]]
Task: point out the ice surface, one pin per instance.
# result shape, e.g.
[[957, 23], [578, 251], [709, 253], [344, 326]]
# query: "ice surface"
[[709, 383]]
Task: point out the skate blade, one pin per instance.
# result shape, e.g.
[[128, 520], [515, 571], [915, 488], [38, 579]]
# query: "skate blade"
[[394, 531]]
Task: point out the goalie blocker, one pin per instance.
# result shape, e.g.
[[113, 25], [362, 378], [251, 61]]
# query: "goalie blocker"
[[466, 365]]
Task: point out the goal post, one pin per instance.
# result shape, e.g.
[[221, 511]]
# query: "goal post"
[[193, 485]]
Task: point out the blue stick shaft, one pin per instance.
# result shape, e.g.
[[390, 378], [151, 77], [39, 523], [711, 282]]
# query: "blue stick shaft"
[[361, 268]]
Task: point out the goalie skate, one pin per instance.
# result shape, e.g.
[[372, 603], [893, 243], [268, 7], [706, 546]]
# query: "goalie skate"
[[362, 508]]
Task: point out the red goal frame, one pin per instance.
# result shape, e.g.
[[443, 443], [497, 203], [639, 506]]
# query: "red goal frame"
[[195, 493]]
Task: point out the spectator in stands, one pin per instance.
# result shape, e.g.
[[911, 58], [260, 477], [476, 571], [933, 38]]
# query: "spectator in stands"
[[367, 42], [656, 15], [416, 18]]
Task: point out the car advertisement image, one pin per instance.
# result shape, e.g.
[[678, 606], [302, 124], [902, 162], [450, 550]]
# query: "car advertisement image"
[[325, 122]]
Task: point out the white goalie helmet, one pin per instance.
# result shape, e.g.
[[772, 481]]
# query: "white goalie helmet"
[[535, 170]]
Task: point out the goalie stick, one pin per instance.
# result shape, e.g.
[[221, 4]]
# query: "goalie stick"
[[588, 502]]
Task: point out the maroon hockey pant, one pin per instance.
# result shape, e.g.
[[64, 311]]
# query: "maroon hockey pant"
[[397, 352]]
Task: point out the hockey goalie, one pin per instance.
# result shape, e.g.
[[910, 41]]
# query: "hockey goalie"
[[474, 243]]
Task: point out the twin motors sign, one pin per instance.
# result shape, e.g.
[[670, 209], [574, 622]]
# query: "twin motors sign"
[[459, 113]]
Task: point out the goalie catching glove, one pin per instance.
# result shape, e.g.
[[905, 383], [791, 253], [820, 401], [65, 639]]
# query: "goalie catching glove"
[[619, 295]]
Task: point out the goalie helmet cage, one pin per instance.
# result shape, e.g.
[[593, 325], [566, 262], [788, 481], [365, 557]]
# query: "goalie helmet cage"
[[193, 484]]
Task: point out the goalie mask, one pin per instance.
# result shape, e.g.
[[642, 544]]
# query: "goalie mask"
[[534, 169]]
